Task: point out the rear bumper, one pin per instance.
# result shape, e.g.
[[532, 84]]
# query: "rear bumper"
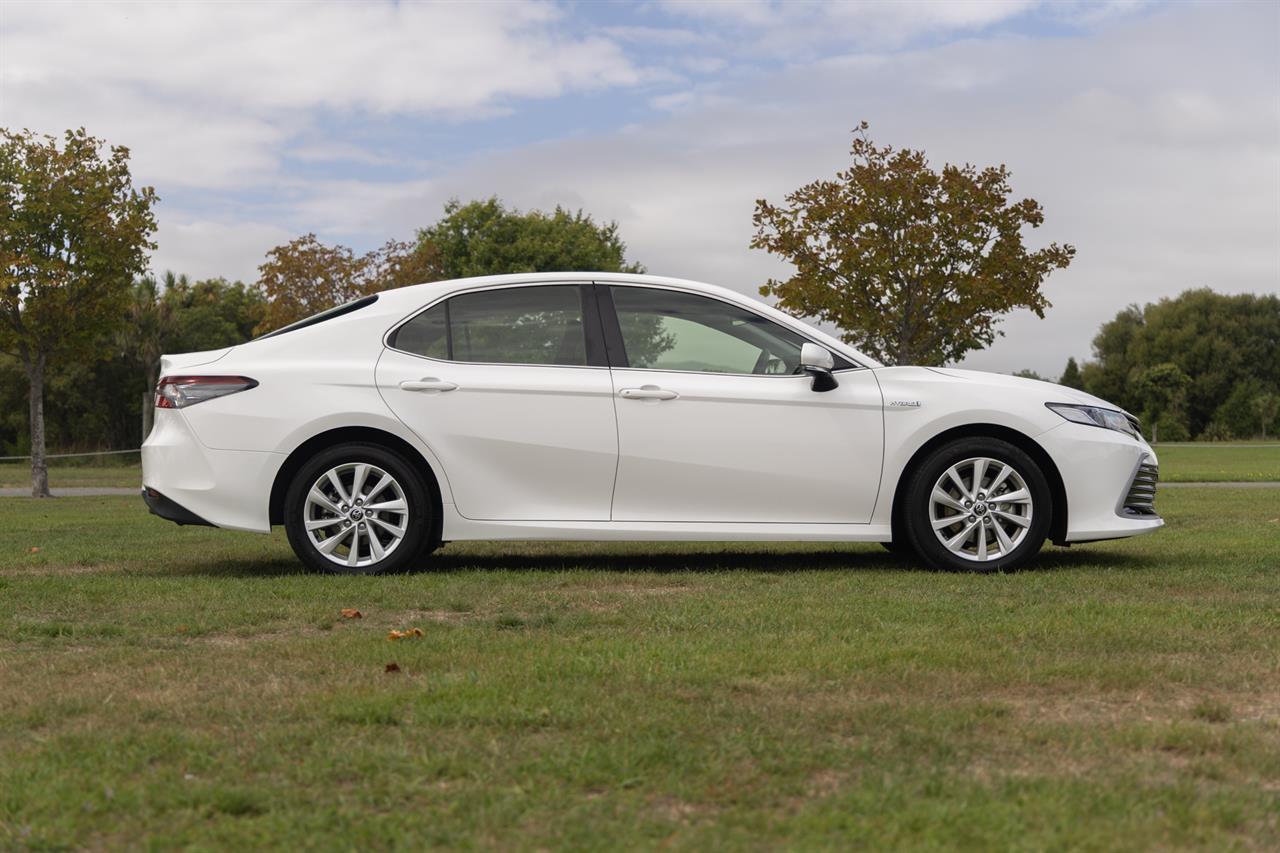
[[221, 488], [169, 510]]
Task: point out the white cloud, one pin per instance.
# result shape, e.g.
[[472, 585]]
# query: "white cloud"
[[207, 94], [206, 249], [782, 28], [301, 55]]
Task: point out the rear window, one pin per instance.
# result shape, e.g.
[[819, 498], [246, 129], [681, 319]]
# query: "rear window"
[[346, 308]]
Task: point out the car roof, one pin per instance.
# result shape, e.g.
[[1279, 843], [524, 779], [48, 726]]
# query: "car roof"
[[431, 290]]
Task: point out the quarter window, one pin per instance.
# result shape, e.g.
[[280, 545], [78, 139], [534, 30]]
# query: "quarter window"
[[670, 330], [516, 325]]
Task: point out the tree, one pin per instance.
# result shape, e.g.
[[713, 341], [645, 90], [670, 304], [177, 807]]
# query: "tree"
[[1164, 387], [149, 326], [1071, 376], [305, 276], [73, 233], [1227, 345], [212, 313], [1027, 373], [1267, 407], [486, 238], [916, 266]]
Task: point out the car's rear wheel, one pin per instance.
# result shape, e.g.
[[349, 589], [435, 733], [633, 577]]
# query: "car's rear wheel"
[[977, 504], [358, 509]]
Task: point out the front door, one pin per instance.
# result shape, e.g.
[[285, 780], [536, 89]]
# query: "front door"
[[715, 425], [509, 388]]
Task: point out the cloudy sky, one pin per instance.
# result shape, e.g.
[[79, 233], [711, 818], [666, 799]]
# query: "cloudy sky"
[[1150, 132]]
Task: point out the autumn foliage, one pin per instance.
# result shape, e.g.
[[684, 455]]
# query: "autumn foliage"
[[915, 265], [305, 276]]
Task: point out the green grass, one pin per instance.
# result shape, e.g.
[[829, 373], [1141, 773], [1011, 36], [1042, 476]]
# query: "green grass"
[[168, 686], [1198, 463], [64, 473]]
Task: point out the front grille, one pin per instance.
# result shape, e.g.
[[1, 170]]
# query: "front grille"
[[1141, 499]]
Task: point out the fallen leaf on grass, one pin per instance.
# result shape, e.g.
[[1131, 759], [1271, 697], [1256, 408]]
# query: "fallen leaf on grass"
[[351, 613], [405, 634], [393, 667], [33, 550]]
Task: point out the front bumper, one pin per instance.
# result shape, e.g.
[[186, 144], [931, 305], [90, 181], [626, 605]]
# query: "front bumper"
[[1100, 471]]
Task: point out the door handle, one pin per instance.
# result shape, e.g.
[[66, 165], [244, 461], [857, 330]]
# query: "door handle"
[[428, 383], [647, 392]]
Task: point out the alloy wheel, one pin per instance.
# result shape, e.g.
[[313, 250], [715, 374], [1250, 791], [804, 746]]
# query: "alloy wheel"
[[356, 514], [980, 509]]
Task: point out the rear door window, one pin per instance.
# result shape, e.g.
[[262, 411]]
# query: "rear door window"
[[514, 325]]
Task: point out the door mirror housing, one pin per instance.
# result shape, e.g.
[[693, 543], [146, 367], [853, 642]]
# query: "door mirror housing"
[[818, 362]]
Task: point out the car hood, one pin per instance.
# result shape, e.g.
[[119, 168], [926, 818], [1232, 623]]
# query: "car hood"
[[1052, 392]]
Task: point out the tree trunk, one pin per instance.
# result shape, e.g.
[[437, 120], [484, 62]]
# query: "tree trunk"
[[39, 466]]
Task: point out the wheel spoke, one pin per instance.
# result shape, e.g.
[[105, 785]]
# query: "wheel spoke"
[[327, 546], [982, 542], [1006, 544], [939, 496], [1021, 521], [397, 532], [955, 478], [943, 523], [353, 556], [396, 505], [322, 523], [375, 547], [979, 472], [956, 541], [998, 480], [357, 481], [336, 482], [317, 496], [1021, 496], [377, 487]]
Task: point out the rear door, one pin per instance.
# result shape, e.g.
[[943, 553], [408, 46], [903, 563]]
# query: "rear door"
[[510, 389]]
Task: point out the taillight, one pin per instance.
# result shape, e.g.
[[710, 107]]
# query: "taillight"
[[178, 392]]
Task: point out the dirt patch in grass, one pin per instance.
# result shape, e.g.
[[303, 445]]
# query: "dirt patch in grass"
[[676, 810]]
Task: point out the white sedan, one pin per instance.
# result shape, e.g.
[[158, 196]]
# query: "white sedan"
[[624, 407]]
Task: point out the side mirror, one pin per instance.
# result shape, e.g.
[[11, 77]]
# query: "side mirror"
[[818, 363]]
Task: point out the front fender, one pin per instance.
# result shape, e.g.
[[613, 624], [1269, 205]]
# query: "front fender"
[[920, 405]]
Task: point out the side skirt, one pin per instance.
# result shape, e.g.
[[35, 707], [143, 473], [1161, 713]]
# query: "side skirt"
[[457, 528]]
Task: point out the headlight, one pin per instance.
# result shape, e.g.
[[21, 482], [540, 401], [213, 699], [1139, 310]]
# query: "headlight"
[[1093, 416]]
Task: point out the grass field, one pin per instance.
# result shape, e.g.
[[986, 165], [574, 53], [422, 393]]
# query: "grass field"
[[171, 686], [64, 474], [1198, 463]]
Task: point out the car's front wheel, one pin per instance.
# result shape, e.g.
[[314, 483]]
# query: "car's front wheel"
[[977, 504], [358, 509]]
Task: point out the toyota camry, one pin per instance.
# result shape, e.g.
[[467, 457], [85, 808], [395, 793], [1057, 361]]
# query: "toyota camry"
[[624, 407]]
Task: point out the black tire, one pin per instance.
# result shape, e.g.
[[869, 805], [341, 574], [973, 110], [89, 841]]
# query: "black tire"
[[916, 509], [416, 520]]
